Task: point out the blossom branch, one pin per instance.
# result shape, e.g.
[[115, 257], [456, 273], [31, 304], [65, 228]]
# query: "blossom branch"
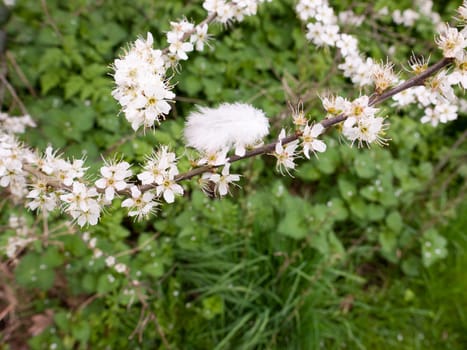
[[327, 123], [417, 80], [60, 183], [268, 148]]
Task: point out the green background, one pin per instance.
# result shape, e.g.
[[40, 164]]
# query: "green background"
[[333, 257]]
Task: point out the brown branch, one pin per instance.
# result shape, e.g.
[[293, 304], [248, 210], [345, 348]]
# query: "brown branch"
[[414, 81], [50, 20], [268, 148], [20, 73], [14, 95], [327, 123]]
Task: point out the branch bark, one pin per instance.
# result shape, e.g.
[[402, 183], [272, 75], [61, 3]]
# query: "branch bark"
[[268, 148], [327, 123]]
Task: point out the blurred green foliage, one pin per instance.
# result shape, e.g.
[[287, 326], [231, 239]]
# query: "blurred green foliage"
[[350, 252]]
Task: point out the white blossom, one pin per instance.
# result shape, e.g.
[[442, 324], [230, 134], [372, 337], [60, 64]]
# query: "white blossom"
[[82, 204], [285, 155], [357, 110], [158, 166], [168, 188], [40, 198], [451, 42], [459, 75], [200, 37], [335, 105], [310, 139], [221, 181], [140, 204], [113, 178], [214, 158], [441, 113], [366, 130]]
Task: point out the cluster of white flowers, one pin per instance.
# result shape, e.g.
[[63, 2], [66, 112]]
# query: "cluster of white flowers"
[[177, 37], [160, 169], [441, 113], [9, 3], [437, 95], [12, 157], [110, 260], [323, 30], [350, 18], [15, 125], [114, 175], [142, 84], [362, 124], [407, 17], [13, 154], [82, 204], [141, 204], [227, 11], [22, 237], [309, 138], [50, 182]]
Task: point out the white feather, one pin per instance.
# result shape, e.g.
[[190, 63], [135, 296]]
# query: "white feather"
[[229, 125]]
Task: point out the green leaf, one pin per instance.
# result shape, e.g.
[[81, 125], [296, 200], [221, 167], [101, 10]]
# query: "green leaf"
[[73, 85], [347, 188], [370, 192], [49, 80], [292, 226], [308, 172], [52, 257], [212, 306], [358, 208], [327, 243], [155, 268], [336, 209], [52, 58], [61, 319], [411, 266], [106, 283], [394, 221], [89, 282], [81, 331], [328, 161], [388, 242], [375, 212], [94, 70], [433, 247], [364, 166], [32, 272], [191, 85]]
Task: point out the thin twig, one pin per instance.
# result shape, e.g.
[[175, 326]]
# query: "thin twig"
[[445, 159], [21, 74], [415, 81], [14, 94], [50, 19], [268, 148]]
